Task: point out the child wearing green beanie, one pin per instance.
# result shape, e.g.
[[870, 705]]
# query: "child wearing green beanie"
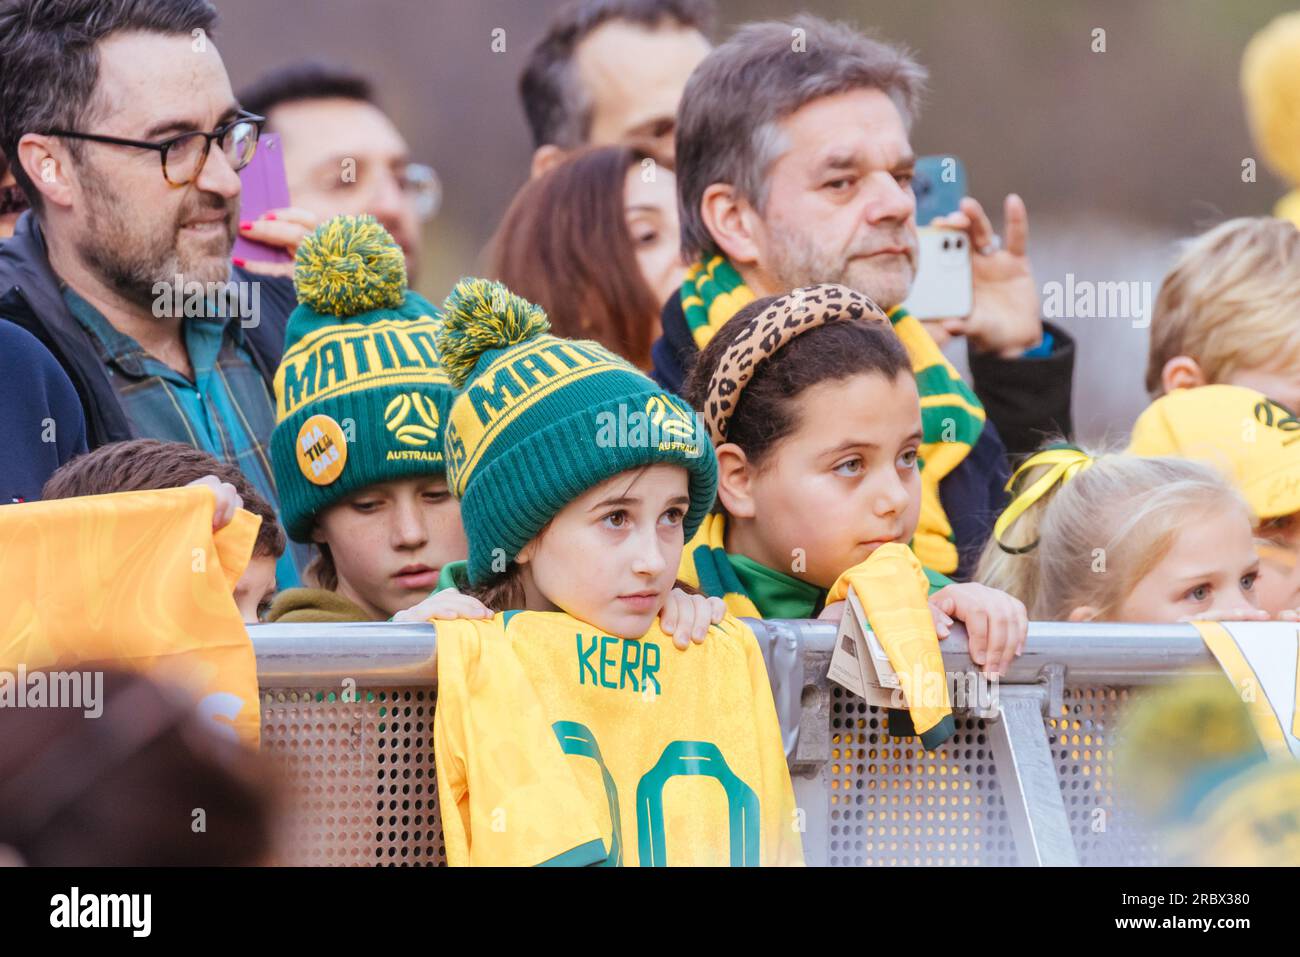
[[362, 402], [569, 712], [579, 478]]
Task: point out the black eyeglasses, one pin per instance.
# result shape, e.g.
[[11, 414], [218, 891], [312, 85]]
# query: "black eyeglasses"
[[183, 156]]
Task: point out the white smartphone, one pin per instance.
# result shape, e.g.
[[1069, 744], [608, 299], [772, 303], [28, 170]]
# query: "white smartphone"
[[942, 288]]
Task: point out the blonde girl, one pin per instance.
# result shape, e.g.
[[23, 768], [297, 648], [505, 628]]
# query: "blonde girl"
[[1123, 538]]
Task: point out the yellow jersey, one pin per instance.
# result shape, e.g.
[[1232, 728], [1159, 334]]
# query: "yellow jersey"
[[666, 756]]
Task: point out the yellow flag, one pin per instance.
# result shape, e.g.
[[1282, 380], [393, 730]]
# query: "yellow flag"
[[134, 580]]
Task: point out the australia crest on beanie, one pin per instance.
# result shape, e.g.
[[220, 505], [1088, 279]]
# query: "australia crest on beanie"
[[538, 420], [361, 397]]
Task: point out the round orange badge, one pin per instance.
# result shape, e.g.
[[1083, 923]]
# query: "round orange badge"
[[322, 450]]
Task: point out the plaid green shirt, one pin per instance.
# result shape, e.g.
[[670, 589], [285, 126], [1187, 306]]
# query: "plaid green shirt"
[[227, 410]]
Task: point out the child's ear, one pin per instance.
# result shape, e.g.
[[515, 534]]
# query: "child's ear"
[[1182, 372], [1083, 613], [735, 481], [526, 553]]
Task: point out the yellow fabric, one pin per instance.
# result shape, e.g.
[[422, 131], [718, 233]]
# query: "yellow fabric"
[[933, 538], [1288, 207], [663, 721], [505, 791], [1249, 438], [1263, 664], [962, 414], [1064, 464], [135, 580], [1270, 85], [893, 590]]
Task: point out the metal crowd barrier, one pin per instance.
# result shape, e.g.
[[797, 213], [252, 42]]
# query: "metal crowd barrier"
[[347, 711]]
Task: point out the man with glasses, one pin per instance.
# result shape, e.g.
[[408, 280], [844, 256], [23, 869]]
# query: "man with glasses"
[[342, 153], [124, 134]]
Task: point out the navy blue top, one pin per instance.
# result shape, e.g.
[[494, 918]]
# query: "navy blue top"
[[41, 421]]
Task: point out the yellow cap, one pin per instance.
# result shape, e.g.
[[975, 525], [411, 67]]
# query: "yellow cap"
[[1248, 436]]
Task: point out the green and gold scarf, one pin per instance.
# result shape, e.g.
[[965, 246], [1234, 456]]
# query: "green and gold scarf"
[[749, 589], [952, 417]]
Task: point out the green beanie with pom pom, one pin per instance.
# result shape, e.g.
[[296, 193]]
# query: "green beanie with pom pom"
[[360, 395], [538, 420]]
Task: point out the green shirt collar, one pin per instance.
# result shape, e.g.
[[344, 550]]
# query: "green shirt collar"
[[776, 594]]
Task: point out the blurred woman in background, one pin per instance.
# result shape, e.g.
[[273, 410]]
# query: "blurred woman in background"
[[594, 242]]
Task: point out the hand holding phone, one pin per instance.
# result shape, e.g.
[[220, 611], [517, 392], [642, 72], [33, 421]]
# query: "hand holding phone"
[[264, 188], [943, 286]]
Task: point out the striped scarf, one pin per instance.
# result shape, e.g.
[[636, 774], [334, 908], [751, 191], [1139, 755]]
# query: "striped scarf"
[[951, 416], [707, 565]]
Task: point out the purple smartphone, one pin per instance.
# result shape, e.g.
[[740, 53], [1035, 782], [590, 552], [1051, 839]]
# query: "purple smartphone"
[[264, 188]]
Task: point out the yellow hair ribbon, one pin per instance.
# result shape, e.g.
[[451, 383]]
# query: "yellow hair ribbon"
[[1065, 464]]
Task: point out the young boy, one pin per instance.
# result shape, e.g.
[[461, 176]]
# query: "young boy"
[[1226, 313], [142, 464]]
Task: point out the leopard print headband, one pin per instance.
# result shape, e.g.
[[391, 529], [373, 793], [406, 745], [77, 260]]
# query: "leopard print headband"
[[786, 317]]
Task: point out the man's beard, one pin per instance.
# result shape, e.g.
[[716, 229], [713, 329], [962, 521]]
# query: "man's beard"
[[132, 251], [798, 261]]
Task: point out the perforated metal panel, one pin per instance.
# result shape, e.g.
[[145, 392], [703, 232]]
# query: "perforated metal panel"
[[359, 776], [1082, 739], [362, 790], [894, 803]]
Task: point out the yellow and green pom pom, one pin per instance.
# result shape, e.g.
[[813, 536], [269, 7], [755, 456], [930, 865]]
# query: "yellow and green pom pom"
[[348, 266], [479, 315]]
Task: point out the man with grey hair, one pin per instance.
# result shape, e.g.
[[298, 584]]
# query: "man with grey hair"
[[794, 167], [611, 71]]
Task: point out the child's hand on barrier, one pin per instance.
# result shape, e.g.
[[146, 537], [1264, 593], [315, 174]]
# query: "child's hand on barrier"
[[228, 500], [446, 605], [996, 623], [687, 617]]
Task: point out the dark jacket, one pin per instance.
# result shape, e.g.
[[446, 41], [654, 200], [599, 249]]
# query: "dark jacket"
[[1030, 397], [30, 297], [41, 423]]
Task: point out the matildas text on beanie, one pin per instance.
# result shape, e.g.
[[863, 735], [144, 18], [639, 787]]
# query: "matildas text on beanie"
[[538, 420], [360, 395]]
